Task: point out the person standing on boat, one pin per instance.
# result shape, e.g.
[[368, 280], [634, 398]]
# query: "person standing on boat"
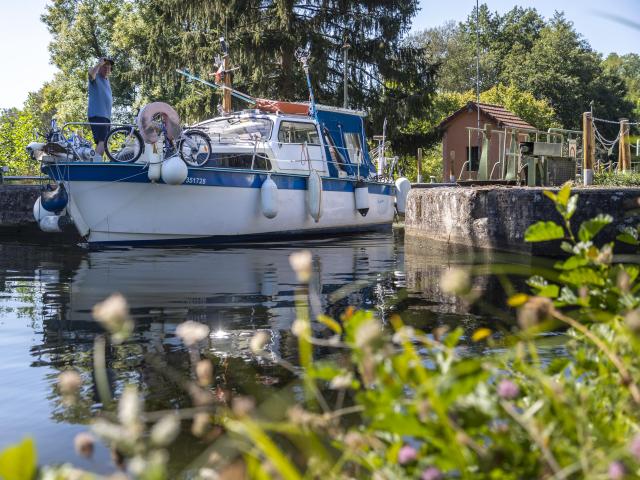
[[100, 102]]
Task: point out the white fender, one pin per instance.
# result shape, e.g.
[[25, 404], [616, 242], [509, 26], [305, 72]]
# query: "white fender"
[[362, 198], [314, 195], [403, 186], [153, 159], [50, 224], [39, 212], [174, 171], [269, 198]]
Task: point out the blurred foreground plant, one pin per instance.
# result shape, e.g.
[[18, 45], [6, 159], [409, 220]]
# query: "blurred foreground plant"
[[395, 403]]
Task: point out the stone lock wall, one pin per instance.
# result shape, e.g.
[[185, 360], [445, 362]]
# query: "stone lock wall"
[[497, 217]]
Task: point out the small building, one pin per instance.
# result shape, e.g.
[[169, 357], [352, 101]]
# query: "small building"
[[461, 146]]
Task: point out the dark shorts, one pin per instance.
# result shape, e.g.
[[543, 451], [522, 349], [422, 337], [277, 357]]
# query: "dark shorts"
[[100, 131]]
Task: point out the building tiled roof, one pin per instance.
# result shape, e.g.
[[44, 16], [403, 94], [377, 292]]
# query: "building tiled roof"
[[502, 116]]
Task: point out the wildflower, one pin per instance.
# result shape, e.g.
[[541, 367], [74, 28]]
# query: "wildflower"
[[431, 473], [354, 440], [508, 390], [200, 425], [113, 315], [632, 319], [534, 311], [301, 262], [165, 430], [623, 281], [204, 372], [455, 281], [299, 328], [634, 447], [340, 382], [605, 256], [258, 341], [617, 470], [192, 332], [407, 454], [109, 432], [130, 406], [84, 444], [404, 334], [242, 406], [367, 333], [69, 382]]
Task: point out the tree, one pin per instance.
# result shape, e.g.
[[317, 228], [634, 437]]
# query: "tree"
[[545, 57], [562, 67], [626, 67]]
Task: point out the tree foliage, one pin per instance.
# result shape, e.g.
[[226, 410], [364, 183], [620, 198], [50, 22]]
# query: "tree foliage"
[[548, 58]]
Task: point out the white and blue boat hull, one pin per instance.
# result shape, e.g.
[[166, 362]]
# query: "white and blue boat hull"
[[116, 204]]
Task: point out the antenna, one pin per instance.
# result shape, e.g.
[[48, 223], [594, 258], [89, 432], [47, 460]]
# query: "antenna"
[[303, 55], [478, 60]]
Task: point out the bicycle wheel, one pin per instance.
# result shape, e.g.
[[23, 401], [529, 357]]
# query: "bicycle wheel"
[[124, 145], [194, 147]]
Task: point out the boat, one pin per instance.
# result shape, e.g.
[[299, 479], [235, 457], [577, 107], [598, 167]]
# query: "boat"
[[274, 171]]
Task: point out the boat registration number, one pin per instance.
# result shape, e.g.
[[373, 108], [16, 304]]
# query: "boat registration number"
[[196, 181]]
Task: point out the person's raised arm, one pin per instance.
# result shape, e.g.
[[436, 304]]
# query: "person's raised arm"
[[94, 71]]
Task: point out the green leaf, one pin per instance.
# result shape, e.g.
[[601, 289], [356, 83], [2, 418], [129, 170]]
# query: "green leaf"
[[551, 195], [629, 235], [591, 228], [550, 291], [582, 276], [566, 247], [564, 194], [18, 462], [543, 231], [571, 263], [572, 204]]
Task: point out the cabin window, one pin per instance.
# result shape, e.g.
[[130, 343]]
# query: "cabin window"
[[241, 161], [298, 132], [474, 159], [353, 146]]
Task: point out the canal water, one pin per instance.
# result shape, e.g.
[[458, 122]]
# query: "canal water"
[[47, 293]]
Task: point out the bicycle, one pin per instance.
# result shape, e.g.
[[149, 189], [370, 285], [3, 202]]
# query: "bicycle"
[[125, 145]]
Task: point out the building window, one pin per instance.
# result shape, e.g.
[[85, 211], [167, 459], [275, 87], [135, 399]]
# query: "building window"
[[474, 164], [298, 132]]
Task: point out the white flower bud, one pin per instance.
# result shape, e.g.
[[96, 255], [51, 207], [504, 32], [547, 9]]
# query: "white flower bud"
[[258, 341], [192, 332], [130, 406], [113, 315], [204, 372], [69, 382], [367, 333], [165, 430], [299, 328], [109, 432], [302, 263], [84, 444], [455, 281], [341, 382]]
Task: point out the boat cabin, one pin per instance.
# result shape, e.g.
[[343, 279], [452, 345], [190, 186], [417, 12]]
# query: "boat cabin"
[[333, 143]]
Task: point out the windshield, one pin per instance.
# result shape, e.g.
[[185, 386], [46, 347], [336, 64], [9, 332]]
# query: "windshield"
[[236, 129]]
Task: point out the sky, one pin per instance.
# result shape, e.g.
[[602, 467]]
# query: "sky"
[[24, 39]]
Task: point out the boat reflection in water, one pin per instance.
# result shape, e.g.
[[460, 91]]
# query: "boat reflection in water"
[[235, 291]]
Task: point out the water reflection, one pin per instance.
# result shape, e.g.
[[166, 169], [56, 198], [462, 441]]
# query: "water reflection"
[[47, 293]]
